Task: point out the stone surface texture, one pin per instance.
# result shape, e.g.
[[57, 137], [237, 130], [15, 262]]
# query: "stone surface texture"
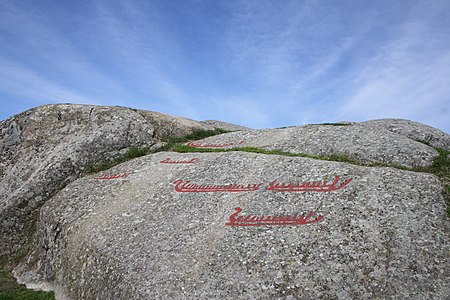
[[358, 141], [141, 231], [413, 130], [385, 235], [224, 125], [43, 149]]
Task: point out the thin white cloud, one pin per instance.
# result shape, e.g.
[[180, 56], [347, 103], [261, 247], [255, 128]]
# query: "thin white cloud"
[[24, 83], [137, 48], [407, 79]]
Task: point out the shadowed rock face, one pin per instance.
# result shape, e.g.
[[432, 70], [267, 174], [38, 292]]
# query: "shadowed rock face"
[[43, 149], [384, 234], [359, 141]]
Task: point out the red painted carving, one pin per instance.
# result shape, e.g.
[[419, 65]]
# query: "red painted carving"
[[170, 161], [192, 144], [107, 176], [308, 186], [236, 220], [187, 187]]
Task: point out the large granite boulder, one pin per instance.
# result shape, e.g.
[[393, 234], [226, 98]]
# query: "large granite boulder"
[[413, 130], [367, 143], [228, 225], [43, 149], [196, 226]]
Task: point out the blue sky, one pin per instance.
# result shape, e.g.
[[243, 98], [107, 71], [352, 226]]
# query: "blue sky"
[[255, 63]]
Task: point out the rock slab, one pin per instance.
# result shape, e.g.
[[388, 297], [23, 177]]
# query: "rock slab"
[[45, 148], [141, 234]]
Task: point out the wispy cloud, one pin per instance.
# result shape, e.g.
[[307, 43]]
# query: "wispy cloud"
[[123, 61], [259, 63], [407, 78]]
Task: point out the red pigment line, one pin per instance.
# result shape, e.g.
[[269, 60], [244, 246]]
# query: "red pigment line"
[[192, 144], [170, 161], [187, 187], [108, 177], [235, 220], [308, 186]]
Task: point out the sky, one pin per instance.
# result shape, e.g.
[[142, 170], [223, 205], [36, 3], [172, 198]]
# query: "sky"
[[261, 64]]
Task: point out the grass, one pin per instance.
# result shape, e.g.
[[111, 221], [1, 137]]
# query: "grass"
[[197, 134], [11, 290], [440, 166], [135, 152]]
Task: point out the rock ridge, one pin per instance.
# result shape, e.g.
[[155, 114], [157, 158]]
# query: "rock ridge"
[[223, 225]]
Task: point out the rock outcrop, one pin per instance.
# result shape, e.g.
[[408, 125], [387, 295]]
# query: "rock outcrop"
[[161, 231], [365, 143], [43, 149], [222, 225], [413, 130], [224, 125]]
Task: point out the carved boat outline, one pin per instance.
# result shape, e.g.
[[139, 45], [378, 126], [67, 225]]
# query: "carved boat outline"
[[187, 187], [235, 220], [169, 160], [308, 186], [195, 145]]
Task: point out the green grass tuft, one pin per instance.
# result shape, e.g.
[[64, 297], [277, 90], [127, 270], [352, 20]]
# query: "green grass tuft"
[[197, 134], [135, 152], [440, 167], [11, 290]]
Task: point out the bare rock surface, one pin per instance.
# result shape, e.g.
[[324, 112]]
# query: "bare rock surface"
[[358, 141], [197, 226], [47, 147], [224, 125], [413, 130], [172, 126], [142, 231]]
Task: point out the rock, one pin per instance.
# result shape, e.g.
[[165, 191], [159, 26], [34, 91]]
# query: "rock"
[[144, 232], [357, 141], [168, 126], [45, 148], [413, 130], [224, 125], [195, 225]]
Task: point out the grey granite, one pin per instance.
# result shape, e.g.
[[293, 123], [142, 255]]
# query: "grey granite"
[[44, 148], [224, 125], [413, 130], [357, 141], [384, 235]]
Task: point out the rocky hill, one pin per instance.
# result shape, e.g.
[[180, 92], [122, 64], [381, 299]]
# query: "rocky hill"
[[331, 211]]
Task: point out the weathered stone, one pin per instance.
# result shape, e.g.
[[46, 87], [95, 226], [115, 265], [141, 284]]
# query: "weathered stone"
[[43, 149], [168, 126], [384, 235], [141, 230], [224, 125], [356, 141], [413, 130]]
